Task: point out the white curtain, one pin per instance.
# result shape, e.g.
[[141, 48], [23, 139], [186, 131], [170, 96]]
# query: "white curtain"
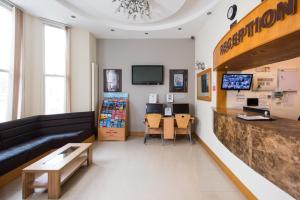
[[68, 70], [17, 64]]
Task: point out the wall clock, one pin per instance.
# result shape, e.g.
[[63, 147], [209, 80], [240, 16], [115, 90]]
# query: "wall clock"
[[231, 13]]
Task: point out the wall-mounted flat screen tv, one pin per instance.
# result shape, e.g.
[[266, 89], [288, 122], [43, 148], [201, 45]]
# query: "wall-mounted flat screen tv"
[[237, 81], [147, 74]]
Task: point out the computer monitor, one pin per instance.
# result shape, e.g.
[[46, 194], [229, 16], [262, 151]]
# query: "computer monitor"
[[154, 108], [182, 108], [252, 101]]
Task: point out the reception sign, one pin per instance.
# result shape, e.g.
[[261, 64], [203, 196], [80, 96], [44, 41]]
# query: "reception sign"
[[269, 21]]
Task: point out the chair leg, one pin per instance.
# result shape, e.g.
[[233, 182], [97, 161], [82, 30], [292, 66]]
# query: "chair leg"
[[190, 134], [162, 138], [174, 137], [145, 138]]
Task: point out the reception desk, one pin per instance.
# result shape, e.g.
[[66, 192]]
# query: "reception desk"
[[271, 148]]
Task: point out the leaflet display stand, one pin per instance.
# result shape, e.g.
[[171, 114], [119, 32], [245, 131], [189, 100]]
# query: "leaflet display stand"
[[113, 117]]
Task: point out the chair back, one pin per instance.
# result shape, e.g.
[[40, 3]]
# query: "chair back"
[[182, 120], [153, 120]]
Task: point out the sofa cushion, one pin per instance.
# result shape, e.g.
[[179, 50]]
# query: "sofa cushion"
[[62, 123], [58, 140], [19, 131], [22, 153], [25, 139], [46, 143], [13, 157]]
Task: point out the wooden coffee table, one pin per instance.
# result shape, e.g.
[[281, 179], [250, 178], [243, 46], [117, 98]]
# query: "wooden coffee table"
[[55, 168]]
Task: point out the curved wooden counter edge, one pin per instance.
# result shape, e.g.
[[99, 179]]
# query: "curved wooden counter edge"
[[268, 34], [272, 150]]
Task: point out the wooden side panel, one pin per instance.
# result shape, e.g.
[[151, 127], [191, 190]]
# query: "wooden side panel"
[[221, 94], [54, 185], [264, 47], [27, 180], [168, 128], [117, 134], [89, 140]]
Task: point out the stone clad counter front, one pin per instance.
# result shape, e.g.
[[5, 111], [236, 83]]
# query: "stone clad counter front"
[[271, 148]]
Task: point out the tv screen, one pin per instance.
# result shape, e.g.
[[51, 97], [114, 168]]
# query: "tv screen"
[[147, 74], [237, 81]]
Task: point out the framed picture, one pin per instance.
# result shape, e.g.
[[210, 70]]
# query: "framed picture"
[[178, 80], [204, 85], [112, 80]]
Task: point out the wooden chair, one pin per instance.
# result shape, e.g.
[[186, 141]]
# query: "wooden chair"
[[153, 126], [183, 127]]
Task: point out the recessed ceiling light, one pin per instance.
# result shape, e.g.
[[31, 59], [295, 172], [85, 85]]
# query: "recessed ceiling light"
[[146, 33], [112, 30], [209, 13], [73, 16], [179, 29]]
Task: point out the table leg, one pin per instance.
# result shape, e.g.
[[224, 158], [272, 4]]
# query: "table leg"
[[53, 185], [27, 182], [89, 155]]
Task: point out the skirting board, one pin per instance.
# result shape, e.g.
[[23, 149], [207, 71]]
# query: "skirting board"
[[242, 188], [136, 134], [15, 173], [89, 140]]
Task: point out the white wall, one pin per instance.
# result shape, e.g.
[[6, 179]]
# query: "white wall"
[[172, 53], [209, 35], [288, 107], [83, 53]]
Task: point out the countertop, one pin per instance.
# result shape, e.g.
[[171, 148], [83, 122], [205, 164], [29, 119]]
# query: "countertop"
[[284, 127]]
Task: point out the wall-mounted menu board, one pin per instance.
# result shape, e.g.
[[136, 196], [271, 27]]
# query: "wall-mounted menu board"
[[288, 80]]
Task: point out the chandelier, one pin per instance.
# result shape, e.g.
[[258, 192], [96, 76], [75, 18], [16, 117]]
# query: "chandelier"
[[134, 8]]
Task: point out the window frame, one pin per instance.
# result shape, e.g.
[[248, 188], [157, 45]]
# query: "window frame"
[[9, 71], [54, 25]]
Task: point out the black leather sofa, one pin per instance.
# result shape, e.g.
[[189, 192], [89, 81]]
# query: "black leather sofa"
[[24, 139]]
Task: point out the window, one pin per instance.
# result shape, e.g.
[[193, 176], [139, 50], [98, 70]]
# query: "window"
[[6, 83], [55, 70]]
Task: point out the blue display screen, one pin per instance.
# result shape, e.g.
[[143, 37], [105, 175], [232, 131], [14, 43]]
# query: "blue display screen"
[[237, 81]]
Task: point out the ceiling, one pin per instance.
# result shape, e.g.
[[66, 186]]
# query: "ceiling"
[[100, 16]]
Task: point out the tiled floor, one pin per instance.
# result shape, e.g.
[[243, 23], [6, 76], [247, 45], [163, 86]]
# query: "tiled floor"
[[134, 171]]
